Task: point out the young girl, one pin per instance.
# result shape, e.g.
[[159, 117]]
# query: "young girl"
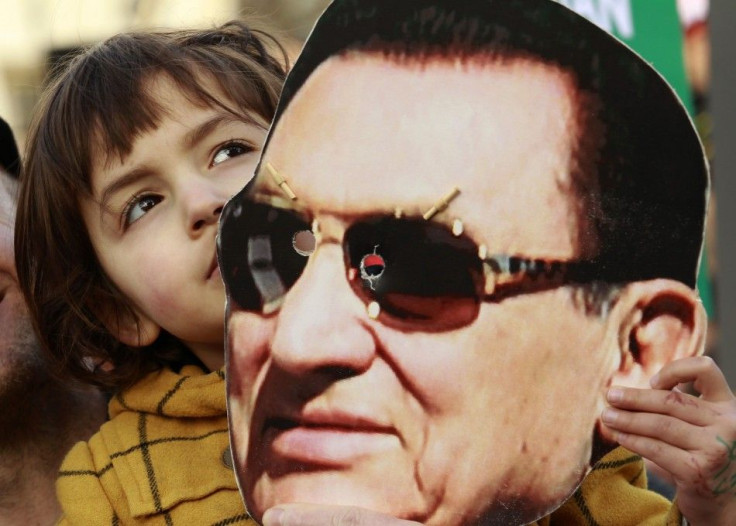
[[136, 147]]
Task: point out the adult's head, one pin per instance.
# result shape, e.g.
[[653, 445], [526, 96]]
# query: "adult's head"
[[19, 358], [21, 366], [459, 378], [13, 318], [99, 120], [40, 418]]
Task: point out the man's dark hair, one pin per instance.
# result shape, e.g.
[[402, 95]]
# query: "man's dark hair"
[[647, 196]]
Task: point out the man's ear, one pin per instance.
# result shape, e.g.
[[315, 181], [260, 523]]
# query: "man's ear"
[[132, 328], [658, 321]]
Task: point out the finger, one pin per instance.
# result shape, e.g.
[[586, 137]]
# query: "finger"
[[319, 515], [706, 376], [665, 428], [669, 458], [673, 403]]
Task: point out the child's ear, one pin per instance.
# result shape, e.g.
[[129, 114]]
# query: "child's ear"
[[131, 328], [658, 321]]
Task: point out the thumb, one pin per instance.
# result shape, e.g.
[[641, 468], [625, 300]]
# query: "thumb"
[[322, 515]]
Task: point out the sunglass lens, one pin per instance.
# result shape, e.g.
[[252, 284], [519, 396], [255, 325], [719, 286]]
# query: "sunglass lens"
[[430, 278], [260, 259]]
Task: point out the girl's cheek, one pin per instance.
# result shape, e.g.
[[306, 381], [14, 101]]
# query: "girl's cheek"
[[159, 294]]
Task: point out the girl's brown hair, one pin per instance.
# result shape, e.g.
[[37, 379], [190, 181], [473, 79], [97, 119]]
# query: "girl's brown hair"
[[98, 102]]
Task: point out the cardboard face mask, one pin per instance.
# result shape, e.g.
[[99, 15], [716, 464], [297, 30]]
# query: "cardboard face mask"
[[466, 218]]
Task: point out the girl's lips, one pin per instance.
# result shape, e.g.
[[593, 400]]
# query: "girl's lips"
[[214, 270]]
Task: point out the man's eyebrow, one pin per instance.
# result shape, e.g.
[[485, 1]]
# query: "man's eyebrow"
[[200, 132]]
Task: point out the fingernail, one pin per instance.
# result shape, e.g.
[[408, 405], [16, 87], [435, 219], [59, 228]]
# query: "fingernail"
[[609, 415], [615, 394], [654, 380], [273, 517]]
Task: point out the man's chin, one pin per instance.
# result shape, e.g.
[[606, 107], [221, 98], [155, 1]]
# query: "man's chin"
[[40, 413], [333, 489], [385, 497], [23, 376], [393, 490]]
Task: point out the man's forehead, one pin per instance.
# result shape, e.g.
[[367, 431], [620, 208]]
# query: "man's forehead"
[[365, 133], [437, 124], [374, 76]]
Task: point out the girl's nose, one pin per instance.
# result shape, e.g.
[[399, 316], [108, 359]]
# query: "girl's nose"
[[203, 203]]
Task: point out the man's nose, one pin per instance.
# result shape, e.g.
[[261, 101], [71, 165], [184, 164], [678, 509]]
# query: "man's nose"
[[202, 203], [322, 325]]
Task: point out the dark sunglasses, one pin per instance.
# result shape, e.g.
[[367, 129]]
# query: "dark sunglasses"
[[421, 275]]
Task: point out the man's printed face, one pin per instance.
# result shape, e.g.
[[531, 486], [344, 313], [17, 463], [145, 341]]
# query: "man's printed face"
[[330, 405]]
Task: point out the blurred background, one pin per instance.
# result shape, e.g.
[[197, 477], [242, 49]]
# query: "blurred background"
[[677, 36], [36, 33]]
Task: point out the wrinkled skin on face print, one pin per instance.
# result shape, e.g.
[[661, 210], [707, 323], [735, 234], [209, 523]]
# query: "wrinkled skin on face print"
[[426, 323]]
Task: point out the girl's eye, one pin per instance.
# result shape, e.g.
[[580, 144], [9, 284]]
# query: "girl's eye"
[[232, 149], [139, 206]]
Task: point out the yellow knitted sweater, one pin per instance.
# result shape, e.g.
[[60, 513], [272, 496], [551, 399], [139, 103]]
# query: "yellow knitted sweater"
[[615, 494], [164, 458]]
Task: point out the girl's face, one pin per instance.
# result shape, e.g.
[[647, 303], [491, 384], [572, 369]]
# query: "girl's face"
[[153, 215]]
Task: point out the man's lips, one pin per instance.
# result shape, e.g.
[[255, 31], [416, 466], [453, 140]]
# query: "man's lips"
[[327, 439]]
